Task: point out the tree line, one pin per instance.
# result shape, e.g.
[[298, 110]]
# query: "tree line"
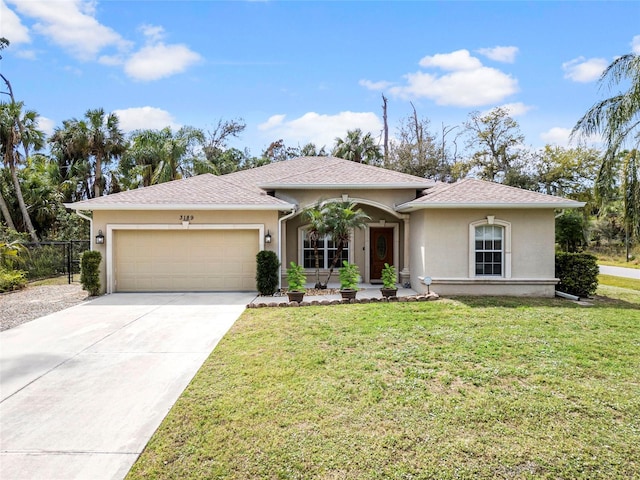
[[90, 156]]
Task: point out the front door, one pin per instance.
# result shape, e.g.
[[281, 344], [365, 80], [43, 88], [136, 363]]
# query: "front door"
[[380, 250]]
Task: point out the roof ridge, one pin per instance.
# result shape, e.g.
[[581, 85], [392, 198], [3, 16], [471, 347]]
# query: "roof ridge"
[[248, 190], [446, 187]]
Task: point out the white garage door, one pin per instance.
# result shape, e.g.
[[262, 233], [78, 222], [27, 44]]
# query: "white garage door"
[[187, 261]]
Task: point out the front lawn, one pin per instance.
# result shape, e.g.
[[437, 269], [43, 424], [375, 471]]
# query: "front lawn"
[[465, 388]]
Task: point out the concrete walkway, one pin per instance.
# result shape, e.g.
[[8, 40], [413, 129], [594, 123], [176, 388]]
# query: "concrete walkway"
[[620, 271], [83, 390]]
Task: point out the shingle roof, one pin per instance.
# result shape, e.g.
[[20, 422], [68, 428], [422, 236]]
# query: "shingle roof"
[[473, 193], [247, 189], [323, 173], [203, 191]]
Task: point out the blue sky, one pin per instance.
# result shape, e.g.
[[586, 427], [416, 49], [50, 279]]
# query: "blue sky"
[[309, 71]]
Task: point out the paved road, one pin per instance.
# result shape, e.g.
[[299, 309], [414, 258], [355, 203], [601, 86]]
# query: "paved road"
[[83, 390], [620, 271]]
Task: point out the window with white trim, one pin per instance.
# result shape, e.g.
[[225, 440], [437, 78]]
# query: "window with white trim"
[[326, 251], [489, 250]]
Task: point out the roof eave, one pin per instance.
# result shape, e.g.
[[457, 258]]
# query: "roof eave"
[[352, 186], [188, 206], [411, 207]]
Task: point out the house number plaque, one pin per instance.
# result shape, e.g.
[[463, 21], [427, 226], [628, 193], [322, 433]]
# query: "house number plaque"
[[186, 218]]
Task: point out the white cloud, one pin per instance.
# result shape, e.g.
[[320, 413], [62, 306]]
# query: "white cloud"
[[466, 88], [454, 61], [556, 136], [583, 70], [71, 25], [466, 83], [368, 84], [322, 130], [27, 54], [154, 33], [516, 109], [11, 27], [500, 54], [635, 45], [153, 62], [46, 125], [137, 118]]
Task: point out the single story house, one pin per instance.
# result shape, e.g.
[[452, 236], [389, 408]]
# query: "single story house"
[[203, 233]]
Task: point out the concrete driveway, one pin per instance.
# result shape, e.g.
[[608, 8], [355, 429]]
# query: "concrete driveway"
[[83, 390]]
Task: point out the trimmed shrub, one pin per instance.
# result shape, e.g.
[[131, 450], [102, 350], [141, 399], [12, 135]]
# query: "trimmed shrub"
[[267, 272], [578, 273], [12, 280], [90, 271], [570, 231]]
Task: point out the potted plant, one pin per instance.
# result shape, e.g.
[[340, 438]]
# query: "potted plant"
[[389, 288], [349, 276], [296, 279]]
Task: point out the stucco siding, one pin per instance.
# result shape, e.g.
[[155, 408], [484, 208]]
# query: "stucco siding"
[[443, 236]]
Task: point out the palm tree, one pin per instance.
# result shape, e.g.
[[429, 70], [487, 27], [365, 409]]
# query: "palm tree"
[[617, 118], [158, 156], [316, 229], [340, 219], [19, 130], [105, 141], [358, 148], [180, 159], [70, 147]]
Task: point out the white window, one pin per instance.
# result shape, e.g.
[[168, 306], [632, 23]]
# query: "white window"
[[327, 249], [490, 248]]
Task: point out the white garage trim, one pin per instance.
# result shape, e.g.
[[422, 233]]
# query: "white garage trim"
[[110, 287]]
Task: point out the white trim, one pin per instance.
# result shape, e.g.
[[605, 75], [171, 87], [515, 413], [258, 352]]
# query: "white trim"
[[412, 207], [362, 201], [350, 249], [87, 205], [110, 285], [506, 274], [344, 186], [367, 246]]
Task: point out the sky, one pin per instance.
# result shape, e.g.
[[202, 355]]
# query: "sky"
[[306, 71]]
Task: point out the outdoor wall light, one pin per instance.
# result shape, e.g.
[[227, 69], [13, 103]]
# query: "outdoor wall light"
[[100, 238], [267, 237]]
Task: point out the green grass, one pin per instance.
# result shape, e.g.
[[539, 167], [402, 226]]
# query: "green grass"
[[471, 388], [621, 282]]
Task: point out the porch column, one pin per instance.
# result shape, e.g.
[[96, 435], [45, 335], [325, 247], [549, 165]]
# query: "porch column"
[[405, 280]]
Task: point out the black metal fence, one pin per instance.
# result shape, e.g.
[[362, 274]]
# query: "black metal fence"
[[54, 259]]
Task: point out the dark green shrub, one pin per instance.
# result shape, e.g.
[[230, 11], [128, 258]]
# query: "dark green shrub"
[[46, 261], [578, 273], [90, 272], [570, 231], [267, 272], [12, 280]]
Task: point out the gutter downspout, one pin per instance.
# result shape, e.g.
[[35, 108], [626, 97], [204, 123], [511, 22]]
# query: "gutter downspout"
[[82, 215], [286, 217]]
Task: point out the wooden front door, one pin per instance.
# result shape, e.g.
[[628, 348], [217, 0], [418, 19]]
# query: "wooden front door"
[[380, 250]]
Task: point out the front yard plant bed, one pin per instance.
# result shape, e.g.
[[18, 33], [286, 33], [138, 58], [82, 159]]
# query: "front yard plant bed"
[[465, 388], [409, 298]]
